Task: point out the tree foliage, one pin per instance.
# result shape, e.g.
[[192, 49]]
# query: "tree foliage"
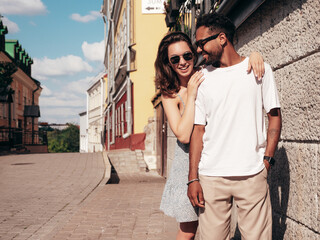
[[6, 71], [66, 140]]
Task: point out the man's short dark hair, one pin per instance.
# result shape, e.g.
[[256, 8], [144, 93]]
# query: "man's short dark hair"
[[217, 23]]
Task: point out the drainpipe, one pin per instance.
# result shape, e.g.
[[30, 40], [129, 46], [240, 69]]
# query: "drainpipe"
[[101, 108], [129, 102], [113, 85], [87, 125], [108, 127], [9, 122], [33, 92], [105, 31], [109, 81]]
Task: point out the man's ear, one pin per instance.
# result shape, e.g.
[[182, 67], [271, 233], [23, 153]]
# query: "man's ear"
[[223, 39]]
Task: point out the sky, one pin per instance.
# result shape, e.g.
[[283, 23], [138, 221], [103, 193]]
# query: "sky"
[[65, 40]]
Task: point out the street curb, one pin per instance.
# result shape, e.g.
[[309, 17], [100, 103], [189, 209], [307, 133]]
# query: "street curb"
[[107, 171]]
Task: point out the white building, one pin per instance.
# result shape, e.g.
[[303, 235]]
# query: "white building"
[[83, 133], [95, 116]]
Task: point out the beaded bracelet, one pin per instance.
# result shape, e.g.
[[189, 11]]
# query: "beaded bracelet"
[[193, 180]]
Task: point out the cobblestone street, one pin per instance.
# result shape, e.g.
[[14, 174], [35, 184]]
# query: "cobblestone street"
[[64, 196], [129, 210]]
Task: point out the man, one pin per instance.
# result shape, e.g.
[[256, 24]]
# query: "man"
[[230, 155]]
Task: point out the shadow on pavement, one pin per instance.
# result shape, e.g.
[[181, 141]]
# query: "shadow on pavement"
[[114, 177]]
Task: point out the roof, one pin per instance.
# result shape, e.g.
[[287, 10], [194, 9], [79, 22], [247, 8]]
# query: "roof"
[[83, 113], [96, 80]]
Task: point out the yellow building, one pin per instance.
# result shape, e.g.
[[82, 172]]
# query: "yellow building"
[[134, 30]]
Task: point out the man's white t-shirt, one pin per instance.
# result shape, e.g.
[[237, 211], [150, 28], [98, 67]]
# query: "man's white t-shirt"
[[231, 103]]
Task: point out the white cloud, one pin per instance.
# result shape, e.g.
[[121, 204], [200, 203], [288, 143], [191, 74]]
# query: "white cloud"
[[63, 97], [60, 115], [62, 106], [93, 51], [59, 101], [79, 86], [22, 7], [66, 65], [86, 18], [12, 26]]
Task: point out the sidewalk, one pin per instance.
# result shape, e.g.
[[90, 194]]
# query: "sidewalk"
[[128, 210], [40, 191], [62, 196]]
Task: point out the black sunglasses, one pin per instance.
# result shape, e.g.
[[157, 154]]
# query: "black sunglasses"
[[203, 42], [186, 56]]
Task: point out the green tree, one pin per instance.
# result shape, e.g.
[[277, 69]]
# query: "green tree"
[[66, 140], [6, 71]]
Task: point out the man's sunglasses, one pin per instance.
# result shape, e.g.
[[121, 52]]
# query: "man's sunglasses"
[[203, 42], [186, 56]]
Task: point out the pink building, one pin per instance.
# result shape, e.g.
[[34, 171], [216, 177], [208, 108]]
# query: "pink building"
[[19, 100]]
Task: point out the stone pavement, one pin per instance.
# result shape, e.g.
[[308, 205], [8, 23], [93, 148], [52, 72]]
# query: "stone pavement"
[[40, 191], [128, 210], [64, 196]]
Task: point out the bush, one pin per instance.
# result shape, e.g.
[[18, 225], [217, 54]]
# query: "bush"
[[66, 140]]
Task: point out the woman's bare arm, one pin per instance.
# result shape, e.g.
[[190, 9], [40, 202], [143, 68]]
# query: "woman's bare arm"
[[182, 125]]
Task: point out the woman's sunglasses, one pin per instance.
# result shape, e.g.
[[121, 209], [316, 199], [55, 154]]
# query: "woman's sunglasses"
[[186, 56]]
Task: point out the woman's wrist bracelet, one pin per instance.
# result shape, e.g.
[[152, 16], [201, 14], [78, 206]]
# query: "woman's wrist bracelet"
[[193, 180]]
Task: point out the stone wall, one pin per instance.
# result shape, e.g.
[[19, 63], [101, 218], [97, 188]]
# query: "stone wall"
[[287, 34], [127, 161], [149, 153]]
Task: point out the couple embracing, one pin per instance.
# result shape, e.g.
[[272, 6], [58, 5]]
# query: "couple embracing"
[[223, 152]]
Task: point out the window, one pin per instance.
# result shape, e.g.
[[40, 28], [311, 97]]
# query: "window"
[[4, 110], [124, 31], [122, 119], [119, 122], [117, 54], [112, 66], [110, 126], [116, 132], [14, 107], [19, 97]]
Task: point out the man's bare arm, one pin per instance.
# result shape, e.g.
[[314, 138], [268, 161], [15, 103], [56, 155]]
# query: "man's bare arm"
[[273, 134], [196, 144]]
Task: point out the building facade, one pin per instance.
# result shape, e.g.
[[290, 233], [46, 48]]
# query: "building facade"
[[131, 45], [19, 104], [287, 34], [83, 146], [95, 113]]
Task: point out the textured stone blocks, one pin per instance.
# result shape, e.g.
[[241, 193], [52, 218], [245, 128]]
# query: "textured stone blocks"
[[294, 184], [287, 34], [291, 229], [299, 89], [124, 161], [282, 31]]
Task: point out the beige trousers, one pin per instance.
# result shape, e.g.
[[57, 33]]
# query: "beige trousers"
[[252, 199]]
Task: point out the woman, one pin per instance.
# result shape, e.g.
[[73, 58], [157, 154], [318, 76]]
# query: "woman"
[[178, 82]]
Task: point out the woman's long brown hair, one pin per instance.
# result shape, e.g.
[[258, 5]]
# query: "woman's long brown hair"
[[166, 78]]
